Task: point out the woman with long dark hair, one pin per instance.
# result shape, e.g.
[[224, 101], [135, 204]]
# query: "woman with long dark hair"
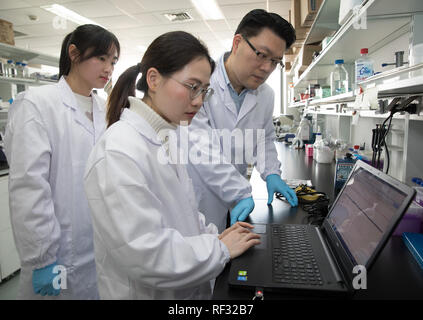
[[49, 135], [150, 240]]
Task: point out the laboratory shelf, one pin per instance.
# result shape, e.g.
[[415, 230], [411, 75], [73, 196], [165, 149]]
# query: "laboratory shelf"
[[384, 22], [325, 23], [298, 104], [18, 54], [340, 98], [26, 81]]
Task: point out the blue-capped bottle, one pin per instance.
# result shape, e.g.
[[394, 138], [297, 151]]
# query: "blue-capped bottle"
[[339, 78]]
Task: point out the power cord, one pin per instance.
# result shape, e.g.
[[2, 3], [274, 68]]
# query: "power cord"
[[405, 105], [315, 203]]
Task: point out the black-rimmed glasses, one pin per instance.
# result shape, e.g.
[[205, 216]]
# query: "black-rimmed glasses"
[[196, 90], [262, 57]]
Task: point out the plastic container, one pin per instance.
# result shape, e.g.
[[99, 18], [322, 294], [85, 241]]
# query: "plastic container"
[[323, 154], [309, 150], [363, 66], [25, 69], [339, 78], [10, 69], [318, 138], [19, 70]]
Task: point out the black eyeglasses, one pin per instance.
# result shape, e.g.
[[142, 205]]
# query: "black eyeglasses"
[[196, 90], [262, 57]]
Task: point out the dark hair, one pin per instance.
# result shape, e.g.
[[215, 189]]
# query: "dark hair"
[[168, 53], [257, 19], [85, 37]]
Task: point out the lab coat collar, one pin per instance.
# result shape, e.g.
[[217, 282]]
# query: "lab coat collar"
[[250, 100], [97, 126], [220, 69]]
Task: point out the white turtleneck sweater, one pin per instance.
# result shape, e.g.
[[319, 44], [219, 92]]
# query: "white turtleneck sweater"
[[160, 125]]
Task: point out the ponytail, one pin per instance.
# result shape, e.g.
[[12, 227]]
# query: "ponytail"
[[118, 99], [65, 61]]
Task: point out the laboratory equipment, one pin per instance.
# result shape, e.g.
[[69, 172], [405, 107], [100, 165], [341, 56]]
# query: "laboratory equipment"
[[339, 78], [19, 69], [11, 69], [2, 69], [399, 60], [303, 134], [25, 69], [323, 152], [342, 171], [378, 141]]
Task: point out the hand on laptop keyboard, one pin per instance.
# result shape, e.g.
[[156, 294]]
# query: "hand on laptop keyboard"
[[239, 238]]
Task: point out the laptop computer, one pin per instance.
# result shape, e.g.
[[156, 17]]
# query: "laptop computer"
[[321, 259]]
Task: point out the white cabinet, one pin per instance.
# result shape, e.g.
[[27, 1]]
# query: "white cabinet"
[[9, 259]]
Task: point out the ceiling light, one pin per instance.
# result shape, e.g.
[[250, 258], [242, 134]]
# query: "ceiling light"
[[65, 13], [208, 9]]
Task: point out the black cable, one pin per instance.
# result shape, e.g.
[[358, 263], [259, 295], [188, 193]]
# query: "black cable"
[[317, 209], [386, 146]]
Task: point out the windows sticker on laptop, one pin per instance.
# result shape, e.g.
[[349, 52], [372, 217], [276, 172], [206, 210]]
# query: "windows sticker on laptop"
[[242, 275]]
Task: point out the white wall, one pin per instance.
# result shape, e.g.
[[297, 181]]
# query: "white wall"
[[274, 81]]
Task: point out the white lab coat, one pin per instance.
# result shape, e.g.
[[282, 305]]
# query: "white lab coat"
[[150, 240], [220, 186], [48, 141]]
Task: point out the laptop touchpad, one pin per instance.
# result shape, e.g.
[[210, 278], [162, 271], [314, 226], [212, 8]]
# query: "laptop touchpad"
[[261, 230]]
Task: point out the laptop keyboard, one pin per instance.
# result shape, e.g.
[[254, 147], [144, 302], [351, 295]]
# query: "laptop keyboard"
[[293, 257]]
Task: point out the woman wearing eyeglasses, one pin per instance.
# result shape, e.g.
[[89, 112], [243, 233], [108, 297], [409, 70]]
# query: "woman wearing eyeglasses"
[[150, 240]]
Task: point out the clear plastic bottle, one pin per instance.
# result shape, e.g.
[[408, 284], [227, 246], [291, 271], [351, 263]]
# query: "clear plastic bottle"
[[11, 69], [339, 78], [363, 66], [25, 69], [19, 70]]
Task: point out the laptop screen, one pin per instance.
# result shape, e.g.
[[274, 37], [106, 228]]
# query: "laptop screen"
[[363, 213]]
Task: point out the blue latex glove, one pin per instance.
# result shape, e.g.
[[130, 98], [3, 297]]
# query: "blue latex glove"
[[42, 281], [276, 184], [242, 209]]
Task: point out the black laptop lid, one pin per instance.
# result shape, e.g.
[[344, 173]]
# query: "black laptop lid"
[[364, 215]]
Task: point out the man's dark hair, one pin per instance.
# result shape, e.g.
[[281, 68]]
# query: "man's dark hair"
[[257, 19]]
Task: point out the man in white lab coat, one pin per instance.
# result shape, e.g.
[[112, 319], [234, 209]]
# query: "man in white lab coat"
[[242, 104]]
